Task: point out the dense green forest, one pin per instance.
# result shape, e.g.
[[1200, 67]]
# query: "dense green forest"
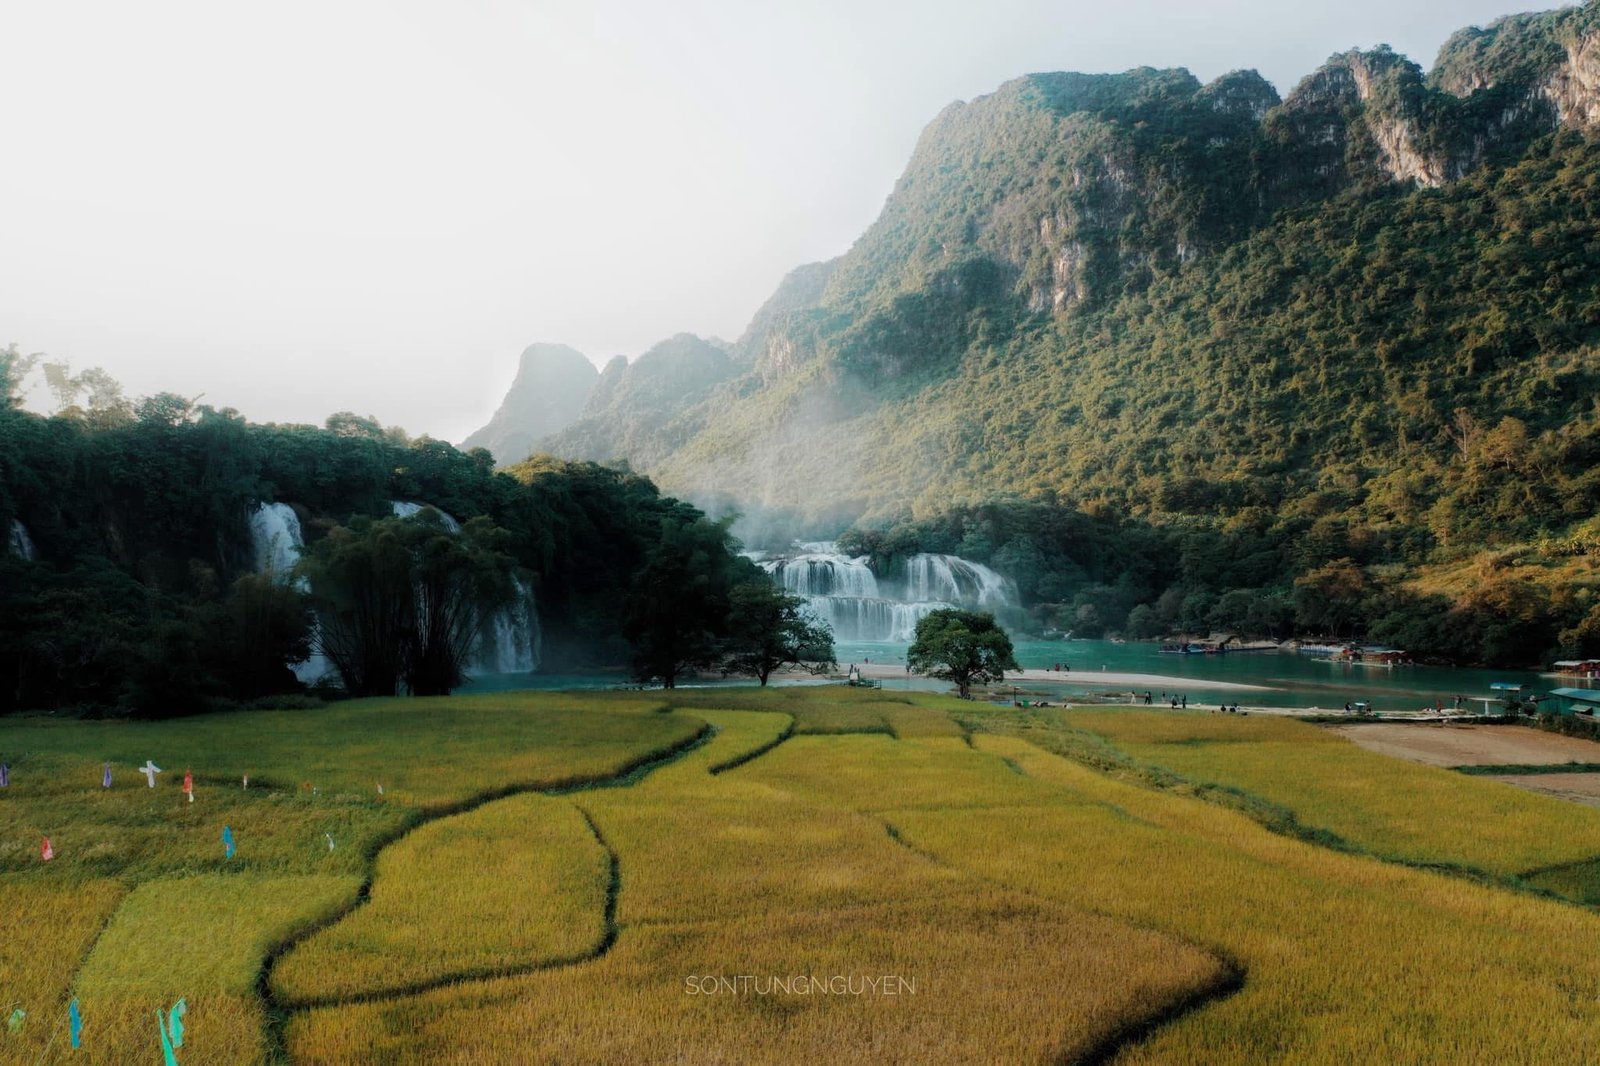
[[143, 598]]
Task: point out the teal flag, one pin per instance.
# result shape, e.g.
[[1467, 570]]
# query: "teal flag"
[[167, 1057], [175, 1021], [14, 1023], [75, 1020]]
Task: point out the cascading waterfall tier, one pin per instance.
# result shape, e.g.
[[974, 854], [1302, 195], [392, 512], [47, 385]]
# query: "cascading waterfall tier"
[[276, 541], [410, 508], [511, 638], [18, 542], [859, 605]]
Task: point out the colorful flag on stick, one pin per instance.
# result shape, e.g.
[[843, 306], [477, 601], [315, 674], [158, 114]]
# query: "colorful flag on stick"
[[5, 776], [227, 842], [167, 1057], [188, 784], [75, 1021], [150, 770], [105, 776], [46, 852], [14, 1023], [175, 1021]]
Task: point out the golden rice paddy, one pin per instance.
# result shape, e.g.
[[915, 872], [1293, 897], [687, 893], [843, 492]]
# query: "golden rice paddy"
[[766, 876]]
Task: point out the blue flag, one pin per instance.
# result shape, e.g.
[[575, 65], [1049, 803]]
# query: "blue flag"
[[105, 777], [5, 775], [167, 1057], [76, 1021], [227, 842]]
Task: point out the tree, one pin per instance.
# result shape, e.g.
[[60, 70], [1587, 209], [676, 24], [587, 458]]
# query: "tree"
[[770, 628], [678, 608], [404, 599], [965, 647]]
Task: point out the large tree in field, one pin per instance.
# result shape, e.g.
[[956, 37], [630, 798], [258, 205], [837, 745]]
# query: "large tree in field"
[[770, 628], [965, 647], [677, 613], [403, 600]]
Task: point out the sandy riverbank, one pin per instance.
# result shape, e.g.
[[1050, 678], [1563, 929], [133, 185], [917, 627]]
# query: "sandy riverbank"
[[1156, 683]]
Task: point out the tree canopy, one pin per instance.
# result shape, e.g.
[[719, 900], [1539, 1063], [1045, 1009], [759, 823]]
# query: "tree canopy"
[[771, 629], [964, 647]]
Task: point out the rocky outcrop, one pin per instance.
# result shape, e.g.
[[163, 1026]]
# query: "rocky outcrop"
[[635, 410], [782, 337], [552, 385]]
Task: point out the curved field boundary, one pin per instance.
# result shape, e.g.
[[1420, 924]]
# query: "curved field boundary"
[[1106, 758], [1229, 980], [607, 938], [277, 1010], [754, 753]]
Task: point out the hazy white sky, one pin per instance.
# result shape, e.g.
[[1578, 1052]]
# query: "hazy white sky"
[[303, 207]]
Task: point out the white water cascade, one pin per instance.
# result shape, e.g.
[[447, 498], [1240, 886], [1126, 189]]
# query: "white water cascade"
[[276, 540], [19, 543], [511, 642], [408, 508], [860, 606]]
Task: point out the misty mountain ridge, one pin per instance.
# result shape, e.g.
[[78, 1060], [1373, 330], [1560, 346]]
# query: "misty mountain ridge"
[[1166, 295]]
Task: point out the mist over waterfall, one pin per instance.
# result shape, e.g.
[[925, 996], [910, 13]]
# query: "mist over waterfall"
[[861, 605], [18, 542]]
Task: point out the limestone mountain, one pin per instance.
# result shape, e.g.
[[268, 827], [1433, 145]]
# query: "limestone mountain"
[[553, 382], [1173, 297], [640, 411]]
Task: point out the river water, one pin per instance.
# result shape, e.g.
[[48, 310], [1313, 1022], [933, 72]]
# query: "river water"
[[1291, 679]]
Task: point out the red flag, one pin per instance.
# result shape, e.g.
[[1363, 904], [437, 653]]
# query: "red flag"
[[46, 852]]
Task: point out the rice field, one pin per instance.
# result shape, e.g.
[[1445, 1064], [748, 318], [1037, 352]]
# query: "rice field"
[[517, 882], [771, 875], [1392, 808], [723, 877]]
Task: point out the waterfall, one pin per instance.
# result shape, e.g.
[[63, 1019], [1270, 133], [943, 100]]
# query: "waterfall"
[[511, 640], [275, 537], [19, 543], [276, 541], [844, 592], [407, 508], [946, 577]]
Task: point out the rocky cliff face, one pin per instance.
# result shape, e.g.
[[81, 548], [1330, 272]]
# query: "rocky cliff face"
[[636, 410], [1055, 197], [552, 385]]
